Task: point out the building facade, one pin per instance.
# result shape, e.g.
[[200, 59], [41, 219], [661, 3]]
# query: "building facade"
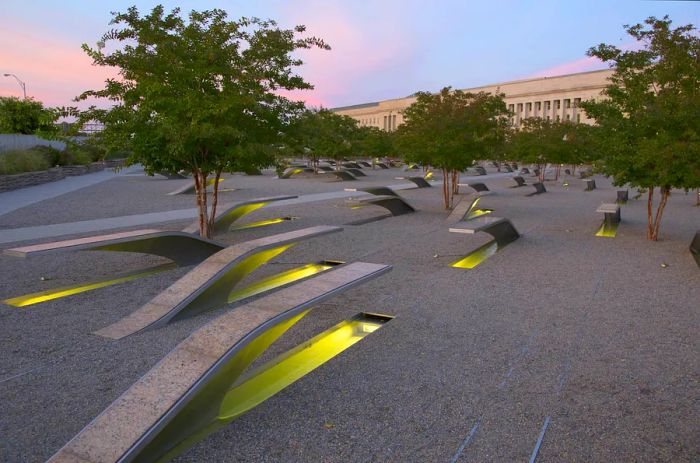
[[555, 98]]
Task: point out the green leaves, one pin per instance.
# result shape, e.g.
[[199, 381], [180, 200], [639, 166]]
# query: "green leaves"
[[26, 116]]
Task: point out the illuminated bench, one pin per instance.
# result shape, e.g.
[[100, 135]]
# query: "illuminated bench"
[[502, 231], [467, 210], [519, 181], [226, 216], [393, 203], [199, 386], [288, 172], [183, 248], [539, 189], [209, 284], [695, 248], [611, 219], [590, 184]]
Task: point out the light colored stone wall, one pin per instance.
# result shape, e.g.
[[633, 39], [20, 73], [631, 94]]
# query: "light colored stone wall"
[[553, 97]]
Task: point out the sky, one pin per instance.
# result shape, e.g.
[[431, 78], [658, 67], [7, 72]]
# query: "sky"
[[380, 49]]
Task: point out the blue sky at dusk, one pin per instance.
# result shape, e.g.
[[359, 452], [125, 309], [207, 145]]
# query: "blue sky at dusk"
[[380, 50]]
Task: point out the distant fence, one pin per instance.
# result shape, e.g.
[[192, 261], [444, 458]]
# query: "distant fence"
[[12, 141]]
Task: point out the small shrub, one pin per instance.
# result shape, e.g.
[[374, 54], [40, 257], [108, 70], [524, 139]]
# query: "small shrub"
[[19, 161], [74, 157]]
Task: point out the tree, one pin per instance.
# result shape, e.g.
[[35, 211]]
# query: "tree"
[[374, 142], [323, 133], [198, 94], [26, 116], [450, 130], [649, 126], [543, 142]]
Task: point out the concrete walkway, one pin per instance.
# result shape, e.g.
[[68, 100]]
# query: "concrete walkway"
[[17, 199]]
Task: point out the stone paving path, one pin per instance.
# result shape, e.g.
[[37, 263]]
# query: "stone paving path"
[[16, 199]]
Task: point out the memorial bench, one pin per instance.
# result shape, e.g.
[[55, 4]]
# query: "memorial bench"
[[519, 181], [539, 189], [382, 165], [365, 164], [342, 175], [288, 172], [352, 165], [501, 229], [524, 170], [395, 204], [622, 196], [467, 210], [695, 248], [355, 172], [420, 182], [478, 187], [480, 170], [199, 386], [611, 214], [208, 285], [589, 183], [375, 190]]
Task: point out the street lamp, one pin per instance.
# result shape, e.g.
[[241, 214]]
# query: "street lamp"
[[21, 84]]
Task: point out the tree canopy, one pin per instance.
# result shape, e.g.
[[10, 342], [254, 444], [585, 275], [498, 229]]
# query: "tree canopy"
[[323, 133], [26, 116], [199, 94], [450, 130], [649, 125]]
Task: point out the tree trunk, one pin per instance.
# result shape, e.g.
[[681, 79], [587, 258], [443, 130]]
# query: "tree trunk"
[[200, 186], [665, 191], [650, 207], [446, 187], [558, 170], [214, 202], [697, 197]]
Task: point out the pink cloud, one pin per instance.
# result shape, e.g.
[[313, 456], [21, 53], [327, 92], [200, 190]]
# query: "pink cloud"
[[54, 70], [356, 55]]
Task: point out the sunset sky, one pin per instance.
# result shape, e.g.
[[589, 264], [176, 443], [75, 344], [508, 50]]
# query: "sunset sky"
[[380, 49]]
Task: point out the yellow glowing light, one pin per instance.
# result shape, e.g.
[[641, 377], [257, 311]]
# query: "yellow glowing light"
[[56, 293], [608, 230], [478, 213], [477, 256], [262, 223], [279, 373], [279, 279], [429, 174]]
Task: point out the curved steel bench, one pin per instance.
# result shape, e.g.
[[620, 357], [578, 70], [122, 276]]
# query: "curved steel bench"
[[393, 203], [419, 181], [519, 181], [198, 386], [590, 184], [502, 231], [288, 172], [208, 285], [342, 175], [539, 189], [375, 190], [695, 248], [355, 172], [478, 187]]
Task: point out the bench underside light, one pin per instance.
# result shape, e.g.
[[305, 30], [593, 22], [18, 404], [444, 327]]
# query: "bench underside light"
[[191, 426], [64, 291], [503, 234], [473, 212], [264, 222], [608, 229]]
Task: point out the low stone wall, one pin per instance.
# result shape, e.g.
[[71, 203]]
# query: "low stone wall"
[[16, 181]]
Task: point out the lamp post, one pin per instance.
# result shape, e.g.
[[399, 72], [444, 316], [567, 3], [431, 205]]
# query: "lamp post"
[[21, 84]]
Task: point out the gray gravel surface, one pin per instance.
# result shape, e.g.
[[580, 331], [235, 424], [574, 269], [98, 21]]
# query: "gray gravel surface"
[[591, 332]]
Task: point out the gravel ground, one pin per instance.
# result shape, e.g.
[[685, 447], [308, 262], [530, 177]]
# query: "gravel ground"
[[591, 333]]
